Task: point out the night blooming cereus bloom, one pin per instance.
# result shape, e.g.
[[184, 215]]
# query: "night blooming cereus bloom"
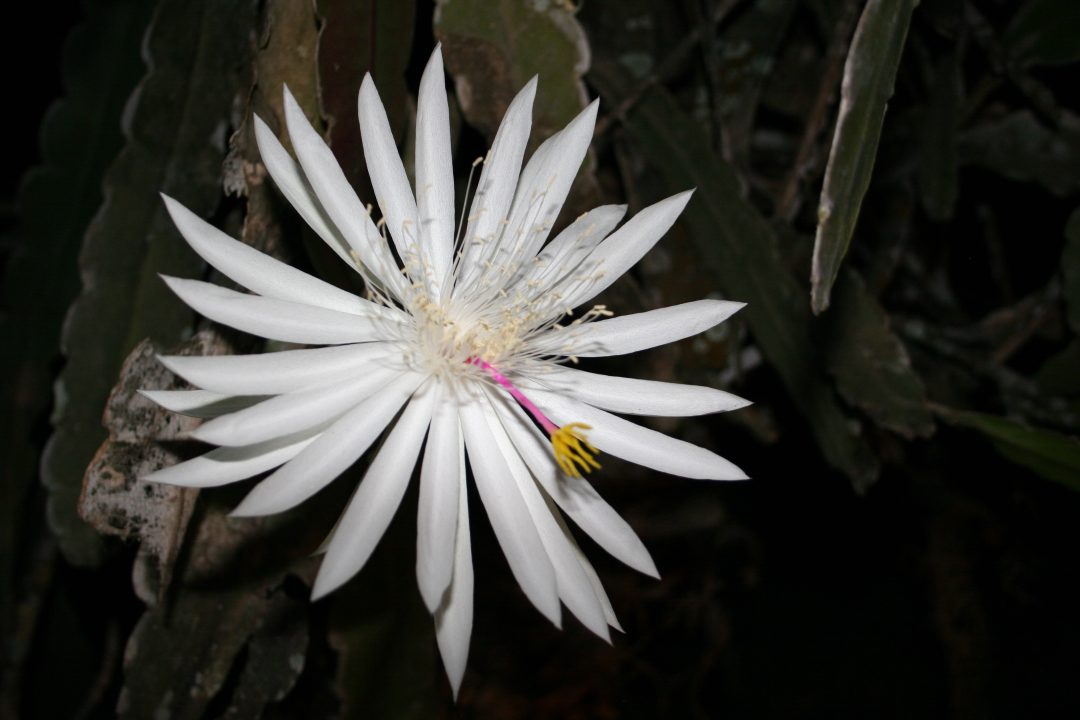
[[462, 345]]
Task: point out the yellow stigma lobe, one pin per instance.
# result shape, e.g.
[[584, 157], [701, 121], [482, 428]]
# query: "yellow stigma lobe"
[[567, 443]]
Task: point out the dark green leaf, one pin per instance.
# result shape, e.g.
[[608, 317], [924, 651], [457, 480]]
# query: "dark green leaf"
[[869, 76], [1070, 271], [746, 50], [740, 248], [871, 366], [938, 159], [80, 136], [1059, 375], [175, 134], [276, 656], [1021, 148], [1050, 454], [182, 653], [1044, 32], [493, 47]]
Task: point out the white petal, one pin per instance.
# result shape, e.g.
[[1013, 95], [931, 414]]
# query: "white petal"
[[230, 464], [637, 397], [330, 455], [454, 618], [435, 169], [274, 373], [200, 403], [436, 520], [561, 257], [498, 180], [388, 177], [292, 412], [574, 587], [289, 178], [275, 319], [338, 199], [630, 333], [508, 514], [638, 444], [375, 501], [575, 496], [598, 587], [261, 273], [586, 567], [623, 248], [545, 183]]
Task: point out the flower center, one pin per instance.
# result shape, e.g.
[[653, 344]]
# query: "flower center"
[[445, 340]]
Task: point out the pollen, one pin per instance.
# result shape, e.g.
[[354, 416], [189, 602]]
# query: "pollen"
[[573, 451]]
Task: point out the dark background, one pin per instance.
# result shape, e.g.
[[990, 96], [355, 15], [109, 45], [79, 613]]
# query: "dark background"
[[929, 572]]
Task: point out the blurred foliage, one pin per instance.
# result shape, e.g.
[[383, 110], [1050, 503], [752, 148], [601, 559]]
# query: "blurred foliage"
[[1053, 455], [741, 249], [79, 137], [175, 127], [493, 48], [869, 76], [892, 188]]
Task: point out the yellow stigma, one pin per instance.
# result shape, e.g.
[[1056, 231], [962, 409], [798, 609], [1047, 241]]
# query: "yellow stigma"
[[567, 443]]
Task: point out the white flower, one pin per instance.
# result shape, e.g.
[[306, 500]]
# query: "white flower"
[[462, 347]]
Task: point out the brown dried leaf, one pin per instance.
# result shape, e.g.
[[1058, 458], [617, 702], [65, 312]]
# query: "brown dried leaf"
[[114, 500]]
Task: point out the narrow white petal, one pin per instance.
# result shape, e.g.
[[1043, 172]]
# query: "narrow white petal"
[[454, 618], [631, 333], [436, 520], [498, 181], [289, 178], [637, 397], [545, 183], [435, 169], [586, 566], [598, 587], [292, 412], [200, 403], [230, 464], [377, 498], [275, 319], [623, 248], [330, 455], [574, 586], [638, 444], [576, 496], [274, 373], [508, 514], [261, 273], [338, 198], [561, 257], [388, 178]]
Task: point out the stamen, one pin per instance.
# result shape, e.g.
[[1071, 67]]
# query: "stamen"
[[568, 443]]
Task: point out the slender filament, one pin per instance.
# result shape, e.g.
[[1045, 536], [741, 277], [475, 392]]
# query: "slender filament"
[[573, 452]]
